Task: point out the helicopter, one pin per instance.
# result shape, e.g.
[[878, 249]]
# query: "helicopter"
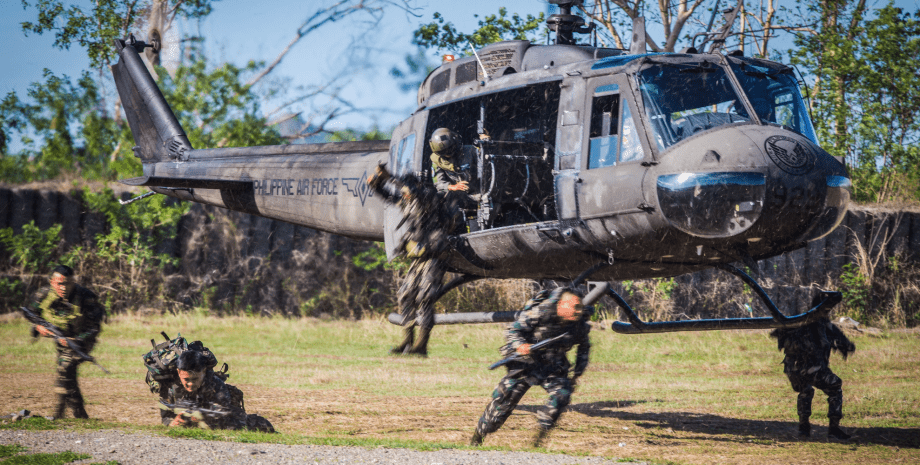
[[588, 162]]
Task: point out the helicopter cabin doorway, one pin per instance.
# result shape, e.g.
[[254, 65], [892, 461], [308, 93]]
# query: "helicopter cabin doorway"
[[508, 142]]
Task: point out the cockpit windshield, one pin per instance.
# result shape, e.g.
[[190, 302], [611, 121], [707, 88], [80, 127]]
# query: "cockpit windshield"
[[774, 94], [684, 99]]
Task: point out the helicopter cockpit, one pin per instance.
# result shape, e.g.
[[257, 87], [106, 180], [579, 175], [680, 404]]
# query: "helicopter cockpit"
[[686, 98]]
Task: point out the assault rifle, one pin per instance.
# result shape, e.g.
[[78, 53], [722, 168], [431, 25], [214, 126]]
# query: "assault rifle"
[[189, 410], [39, 321], [533, 347]]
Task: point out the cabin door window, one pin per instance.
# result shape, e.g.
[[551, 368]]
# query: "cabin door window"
[[613, 136]]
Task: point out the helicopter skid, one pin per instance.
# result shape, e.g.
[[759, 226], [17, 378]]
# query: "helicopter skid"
[[828, 299]]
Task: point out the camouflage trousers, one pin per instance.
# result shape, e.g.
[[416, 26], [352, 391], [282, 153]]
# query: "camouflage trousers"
[[510, 390], [419, 291], [806, 380], [66, 386]]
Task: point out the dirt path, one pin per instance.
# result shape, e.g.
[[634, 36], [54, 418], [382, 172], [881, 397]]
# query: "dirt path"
[[617, 429]]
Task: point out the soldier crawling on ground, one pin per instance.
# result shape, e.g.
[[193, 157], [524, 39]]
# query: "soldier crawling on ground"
[[429, 219], [806, 364], [547, 315], [201, 398], [76, 313]]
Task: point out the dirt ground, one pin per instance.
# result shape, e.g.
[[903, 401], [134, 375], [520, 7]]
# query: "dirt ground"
[[623, 429]]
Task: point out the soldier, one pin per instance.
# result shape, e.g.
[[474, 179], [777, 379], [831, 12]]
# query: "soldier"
[[200, 390], [546, 315], [75, 311], [808, 350], [451, 170], [428, 220]]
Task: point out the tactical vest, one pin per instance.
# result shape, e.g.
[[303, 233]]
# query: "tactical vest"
[[66, 314]]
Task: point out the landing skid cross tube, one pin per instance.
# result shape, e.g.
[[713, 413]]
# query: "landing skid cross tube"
[[777, 320]]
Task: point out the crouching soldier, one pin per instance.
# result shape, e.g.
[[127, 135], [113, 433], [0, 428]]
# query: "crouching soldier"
[[547, 316], [201, 399], [808, 350]]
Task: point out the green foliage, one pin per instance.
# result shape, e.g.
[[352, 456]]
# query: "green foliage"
[[58, 458], [441, 35], [215, 107], [96, 26], [866, 100], [30, 424], [31, 249], [375, 258], [857, 293], [63, 130], [355, 135], [7, 450]]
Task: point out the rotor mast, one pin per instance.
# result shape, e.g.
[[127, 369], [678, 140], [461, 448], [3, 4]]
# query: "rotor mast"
[[565, 24]]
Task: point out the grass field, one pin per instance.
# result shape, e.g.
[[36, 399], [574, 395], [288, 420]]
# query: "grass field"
[[714, 397]]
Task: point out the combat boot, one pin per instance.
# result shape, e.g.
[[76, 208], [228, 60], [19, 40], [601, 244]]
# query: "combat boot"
[[804, 429], [421, 346], [80, 412], [834, 431], [540, 436], [59, 411], [406, 344], [477, 438]]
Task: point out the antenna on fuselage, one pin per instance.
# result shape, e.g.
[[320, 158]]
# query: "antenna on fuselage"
[[484, 72]]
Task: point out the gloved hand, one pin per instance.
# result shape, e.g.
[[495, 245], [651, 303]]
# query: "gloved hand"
[[460, 186], [523, 349]]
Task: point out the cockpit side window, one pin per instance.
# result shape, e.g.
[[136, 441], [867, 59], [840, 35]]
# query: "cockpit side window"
[[404, 155]]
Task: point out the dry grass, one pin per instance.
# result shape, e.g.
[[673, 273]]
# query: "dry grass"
[[682, 398]]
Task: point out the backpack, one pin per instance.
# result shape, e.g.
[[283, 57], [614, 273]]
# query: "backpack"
[[162, 359]]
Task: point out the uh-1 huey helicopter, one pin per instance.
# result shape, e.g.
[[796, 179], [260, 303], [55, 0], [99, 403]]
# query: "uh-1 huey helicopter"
[[600, 163]]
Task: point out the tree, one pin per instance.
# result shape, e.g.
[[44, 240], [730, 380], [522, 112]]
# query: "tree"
[[616, 17], [442, 35], [865, 97]]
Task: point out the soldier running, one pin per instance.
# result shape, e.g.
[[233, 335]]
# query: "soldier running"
[[203, 399], [77, 314], [546, 315], [808, 349], [428, 219]]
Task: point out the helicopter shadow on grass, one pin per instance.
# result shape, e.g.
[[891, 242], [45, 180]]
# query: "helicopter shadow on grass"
[[740, 429]]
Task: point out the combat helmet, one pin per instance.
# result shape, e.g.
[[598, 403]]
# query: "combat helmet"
[[444, 141]]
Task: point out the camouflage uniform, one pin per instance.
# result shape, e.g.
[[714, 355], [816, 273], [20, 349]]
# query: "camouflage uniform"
[[538, 321], [215, 394], [79, 317], [449, 171], [808, 349], [428, 219]]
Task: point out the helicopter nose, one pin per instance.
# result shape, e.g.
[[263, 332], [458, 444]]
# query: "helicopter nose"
[[809, 189], [752, 182]]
